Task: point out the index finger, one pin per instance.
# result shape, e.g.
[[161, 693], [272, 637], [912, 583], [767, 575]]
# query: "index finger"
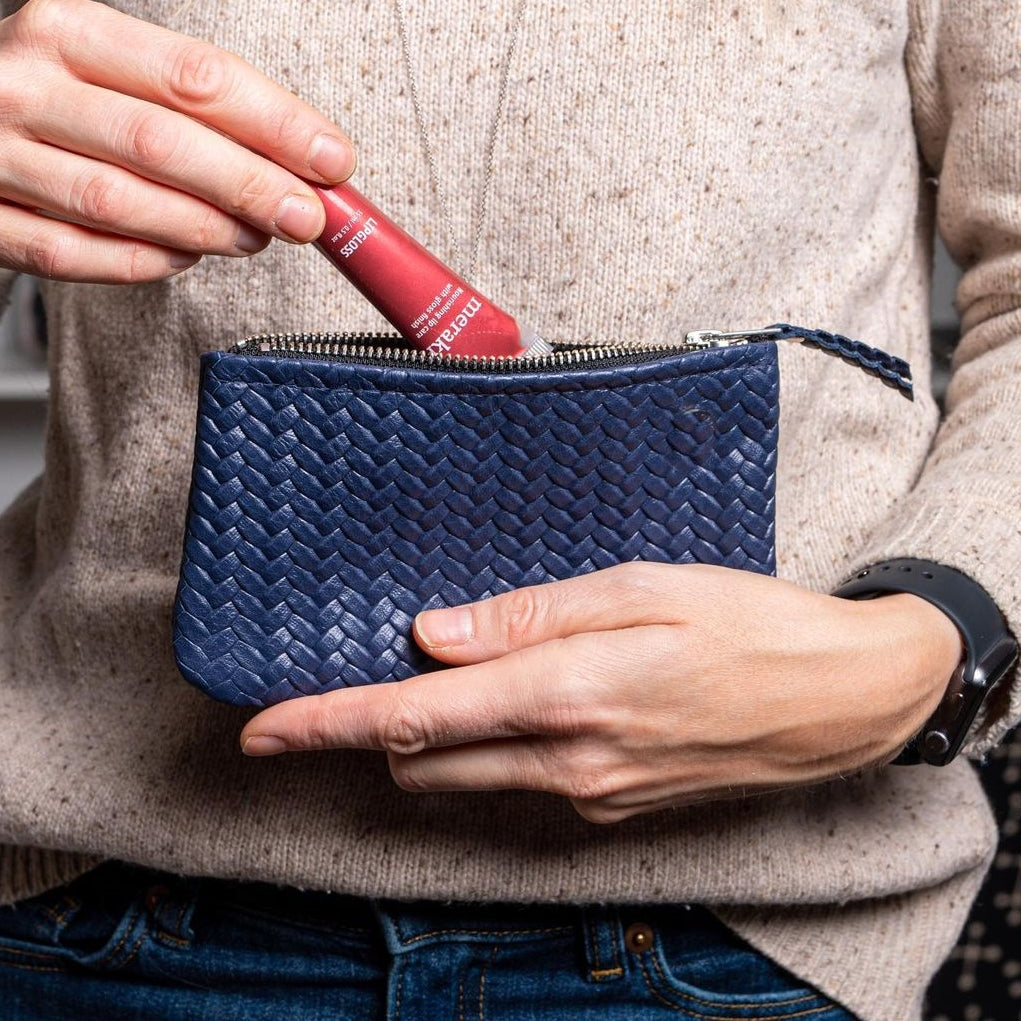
[[519, 694], [116, 51]]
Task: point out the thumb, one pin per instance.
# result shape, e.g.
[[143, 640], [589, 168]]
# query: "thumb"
[[629, 595]]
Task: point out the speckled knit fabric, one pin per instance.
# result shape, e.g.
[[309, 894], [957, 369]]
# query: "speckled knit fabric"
[[659, 167]]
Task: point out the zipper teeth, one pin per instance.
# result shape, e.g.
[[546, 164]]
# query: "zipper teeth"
[[383, 349], [386, 348]]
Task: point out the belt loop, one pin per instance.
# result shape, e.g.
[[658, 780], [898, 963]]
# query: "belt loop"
[[601, 939], [171, 907], [388, 915]]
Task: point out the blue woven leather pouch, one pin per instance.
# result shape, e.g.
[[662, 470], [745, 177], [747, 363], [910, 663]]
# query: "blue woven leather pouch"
[[333, 498]]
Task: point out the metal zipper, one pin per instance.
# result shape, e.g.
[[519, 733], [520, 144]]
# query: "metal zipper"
[[392, 349]]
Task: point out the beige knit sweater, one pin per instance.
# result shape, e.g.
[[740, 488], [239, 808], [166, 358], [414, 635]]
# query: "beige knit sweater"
[[659, 167]]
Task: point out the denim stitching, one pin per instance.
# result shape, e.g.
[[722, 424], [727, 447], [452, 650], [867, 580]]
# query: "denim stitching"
[[30, 953], [482, 983], [460, 998], [131, 918], [597, 974], [709, 1003], [615, 944], [397, 998], [602, 973], [134, 951], [29, 967], [60, 915], [593, 943], [674, 1005], [164, 934]]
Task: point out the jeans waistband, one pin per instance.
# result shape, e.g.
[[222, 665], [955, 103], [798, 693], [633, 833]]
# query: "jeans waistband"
[[407, 925]]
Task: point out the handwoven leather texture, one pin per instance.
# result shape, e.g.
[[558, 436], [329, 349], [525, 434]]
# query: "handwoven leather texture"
[[331, 501], [893, 371]]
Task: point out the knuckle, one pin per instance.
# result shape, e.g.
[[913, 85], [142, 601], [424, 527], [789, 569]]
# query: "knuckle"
[[523, 614], [198, 73], [208, 232], [564, 718], [41, 20], [569, 712], [638, 580], [98, 197], [150, 141], [19, 86], [251, 192], [285, 132], [51, 254], [585, 776], [590, 787], [316, 729], [667, 643], [402, 731], [141, 265]]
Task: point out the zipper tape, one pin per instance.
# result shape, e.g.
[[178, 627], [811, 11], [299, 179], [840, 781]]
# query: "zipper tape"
[[392, 349]]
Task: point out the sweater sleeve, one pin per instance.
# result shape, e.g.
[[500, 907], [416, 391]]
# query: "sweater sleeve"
[[964, 63]]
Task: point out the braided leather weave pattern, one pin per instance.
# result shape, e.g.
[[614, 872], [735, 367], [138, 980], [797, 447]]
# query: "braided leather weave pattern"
[[891, 370], [332, 501]]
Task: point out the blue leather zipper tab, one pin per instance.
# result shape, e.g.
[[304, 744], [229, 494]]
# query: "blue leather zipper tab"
[[893, 371]]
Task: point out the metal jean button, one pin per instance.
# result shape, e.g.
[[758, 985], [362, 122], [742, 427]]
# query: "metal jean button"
[[154, 896], [638, 937]]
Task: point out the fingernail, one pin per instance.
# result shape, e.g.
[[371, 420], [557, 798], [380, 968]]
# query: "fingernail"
[[182, 260], [443, 628], [331, 158], [263, 744], [299, 218], [250, 240]]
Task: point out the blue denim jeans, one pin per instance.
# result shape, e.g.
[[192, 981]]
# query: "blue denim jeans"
[[123, 942]]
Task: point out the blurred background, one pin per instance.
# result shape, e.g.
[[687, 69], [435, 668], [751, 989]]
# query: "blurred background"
[[23, 389]]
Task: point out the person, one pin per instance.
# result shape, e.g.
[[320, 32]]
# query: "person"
[[655, 789]]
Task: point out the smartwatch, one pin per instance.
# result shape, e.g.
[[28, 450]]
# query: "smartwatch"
[[990, 650]]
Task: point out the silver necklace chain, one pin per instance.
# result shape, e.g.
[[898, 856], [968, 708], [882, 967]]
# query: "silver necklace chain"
[[468, 271]]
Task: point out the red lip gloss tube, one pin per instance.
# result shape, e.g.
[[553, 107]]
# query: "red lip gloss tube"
[[429, 304]]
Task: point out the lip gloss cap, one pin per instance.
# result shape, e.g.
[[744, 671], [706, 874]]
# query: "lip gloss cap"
[[532, 345]]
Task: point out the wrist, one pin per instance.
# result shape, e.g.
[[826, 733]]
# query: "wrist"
[[989, 649], [933, 650], [916, 648]]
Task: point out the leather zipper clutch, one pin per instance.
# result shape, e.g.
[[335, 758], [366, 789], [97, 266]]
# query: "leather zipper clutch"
[[340, 486]]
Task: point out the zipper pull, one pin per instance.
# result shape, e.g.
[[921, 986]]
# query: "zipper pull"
[[703, 340], [893, 371]]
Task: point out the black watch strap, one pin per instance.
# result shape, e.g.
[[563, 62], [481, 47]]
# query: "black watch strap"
[[989, 648]]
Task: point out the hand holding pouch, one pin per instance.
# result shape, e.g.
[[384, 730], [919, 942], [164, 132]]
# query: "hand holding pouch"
[[336, 492]]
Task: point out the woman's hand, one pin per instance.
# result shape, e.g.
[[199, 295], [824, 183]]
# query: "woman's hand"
[[641, 687], [128, 151]]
